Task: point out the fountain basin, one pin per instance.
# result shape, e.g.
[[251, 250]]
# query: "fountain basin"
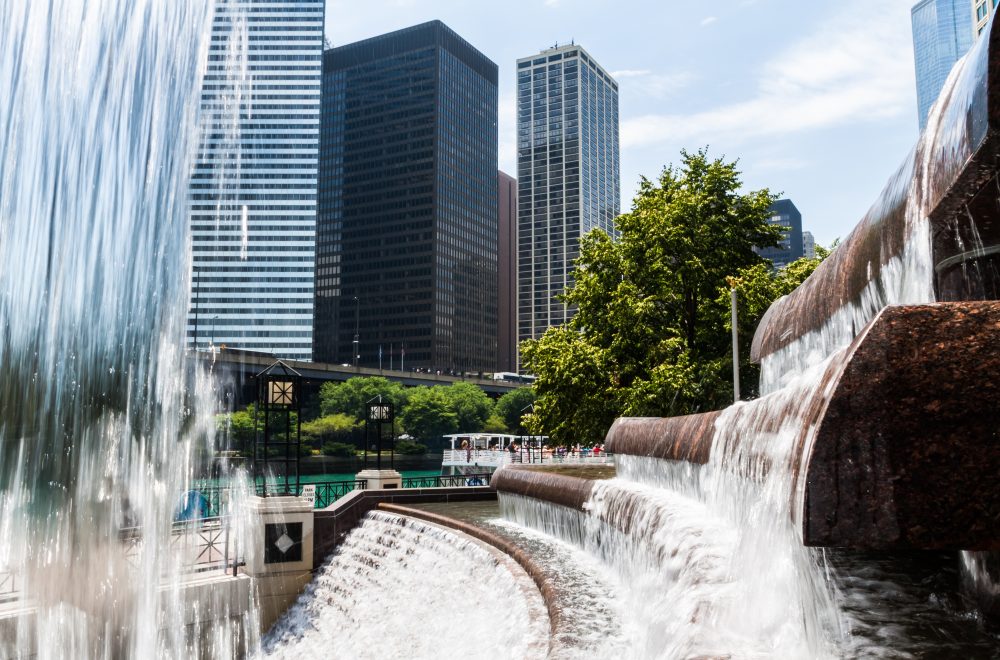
[[906, 451]]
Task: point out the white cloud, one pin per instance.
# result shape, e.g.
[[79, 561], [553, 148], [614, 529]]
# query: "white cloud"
[[857, 67], [708, 20], [648, 83]]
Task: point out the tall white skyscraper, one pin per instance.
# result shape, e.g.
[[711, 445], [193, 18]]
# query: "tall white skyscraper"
[[567, 174], [253, 192]]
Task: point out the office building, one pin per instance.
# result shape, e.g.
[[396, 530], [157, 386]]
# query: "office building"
[[567, 174], [785, 215], [941, 36], [407, 230], [252, 195], [808, 245], [507, 265], [982, 12]]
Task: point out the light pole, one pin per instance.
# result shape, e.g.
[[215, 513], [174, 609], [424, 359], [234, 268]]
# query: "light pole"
[[212, 341], [357, 319]]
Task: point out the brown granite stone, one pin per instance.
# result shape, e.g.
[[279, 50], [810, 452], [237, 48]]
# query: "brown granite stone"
[[568, 491], [907, 446], [687, 438], [907, 454]]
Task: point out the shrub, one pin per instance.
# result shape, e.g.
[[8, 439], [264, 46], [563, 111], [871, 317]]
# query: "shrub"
[[341, 449], [410, 448]]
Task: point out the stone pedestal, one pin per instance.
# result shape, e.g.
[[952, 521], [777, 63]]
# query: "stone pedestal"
[[282, 561], [381, 479]]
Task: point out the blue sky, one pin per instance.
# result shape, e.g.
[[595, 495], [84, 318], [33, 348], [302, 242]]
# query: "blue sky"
[[816, 99]]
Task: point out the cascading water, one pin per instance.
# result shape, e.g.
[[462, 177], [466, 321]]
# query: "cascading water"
[[100, 427], [710, 558], [399, 587]]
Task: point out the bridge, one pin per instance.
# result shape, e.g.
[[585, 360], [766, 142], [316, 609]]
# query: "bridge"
[[236, 369]]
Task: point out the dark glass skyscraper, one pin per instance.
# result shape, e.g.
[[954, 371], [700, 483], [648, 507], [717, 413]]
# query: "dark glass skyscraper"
[[567, 174], [406, 255], [785, 215]]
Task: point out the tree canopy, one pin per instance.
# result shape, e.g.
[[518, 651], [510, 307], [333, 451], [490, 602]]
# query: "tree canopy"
[[351, 396], [470, 404], [649, 336], [428, 414], [511, 407]]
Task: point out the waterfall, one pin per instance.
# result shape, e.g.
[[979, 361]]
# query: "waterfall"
[[100, 425], [399, 587]]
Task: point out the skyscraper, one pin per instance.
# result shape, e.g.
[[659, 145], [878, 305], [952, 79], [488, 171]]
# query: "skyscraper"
[[567, 174], [808, 245], [507, 264], [785, 215], [941, 35], [253, 191], [407, 224], [982, 11]]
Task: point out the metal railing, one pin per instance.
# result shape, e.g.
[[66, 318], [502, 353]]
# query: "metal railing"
[[448, 481], [8, 585], [328, 492], [532, 456], [204, 545]]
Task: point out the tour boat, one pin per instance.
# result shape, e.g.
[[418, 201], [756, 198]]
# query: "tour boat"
[[480, 453]]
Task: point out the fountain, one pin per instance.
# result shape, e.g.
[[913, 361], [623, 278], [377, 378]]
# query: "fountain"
[[893, 443], [100, 427], [763, 529]]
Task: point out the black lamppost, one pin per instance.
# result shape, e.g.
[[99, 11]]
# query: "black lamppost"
[[277, 435], [357, 320], [212, 341], [380, 413]]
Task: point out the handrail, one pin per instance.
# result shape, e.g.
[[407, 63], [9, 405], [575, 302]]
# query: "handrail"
[[448, 481]]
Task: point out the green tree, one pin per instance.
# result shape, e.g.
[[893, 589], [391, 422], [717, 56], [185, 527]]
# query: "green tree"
[[236, 430], [470, 404], [350, 396], [331, 428], [757, 288], [428, 415], [495, 425], [647, 337], [511, 406]]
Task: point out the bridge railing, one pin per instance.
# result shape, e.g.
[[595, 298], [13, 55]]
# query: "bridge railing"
[[205, 544]]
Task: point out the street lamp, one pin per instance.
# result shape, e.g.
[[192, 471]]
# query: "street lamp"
[[357, 319], [212, 341], [278, 427]]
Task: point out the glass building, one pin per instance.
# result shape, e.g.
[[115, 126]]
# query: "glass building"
[[808, 245], [942, 34], [253, 190], [406, 257], [567, 174], [982, 11], [786, 215]]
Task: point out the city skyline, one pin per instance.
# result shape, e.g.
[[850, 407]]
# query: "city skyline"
[[820, 105]]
